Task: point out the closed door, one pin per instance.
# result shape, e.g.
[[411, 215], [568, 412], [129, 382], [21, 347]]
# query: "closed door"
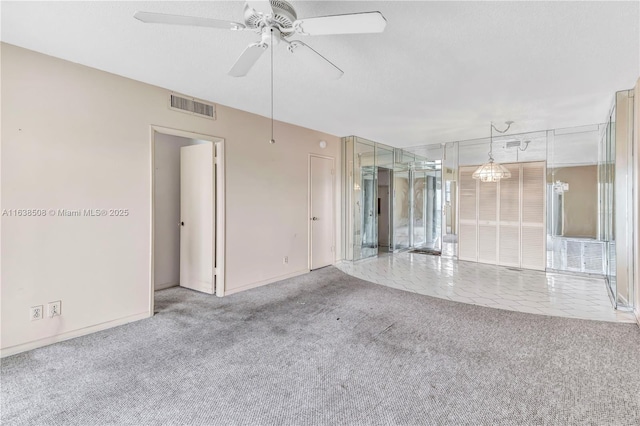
[[197, 217], [321, 211], [503, 222]]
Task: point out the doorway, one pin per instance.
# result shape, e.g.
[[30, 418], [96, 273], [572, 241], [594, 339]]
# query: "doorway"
[[187, 210], [321, 211], [385, 210]]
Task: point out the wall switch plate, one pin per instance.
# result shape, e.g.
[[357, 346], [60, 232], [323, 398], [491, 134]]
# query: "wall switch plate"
[[55, 309], [35, 313], [285, 260]]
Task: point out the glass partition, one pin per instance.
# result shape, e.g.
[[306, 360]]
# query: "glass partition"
[[384, 170], [419, 211], [619, 154], [364, 197], [401, 207], [606, 182], [399, 199], [573, 201], [417, 199], [367, 166], [449, 244], [433, 207]]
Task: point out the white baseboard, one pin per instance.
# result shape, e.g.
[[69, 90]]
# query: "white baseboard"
[[164, 286], [12, 350], [229, 291]]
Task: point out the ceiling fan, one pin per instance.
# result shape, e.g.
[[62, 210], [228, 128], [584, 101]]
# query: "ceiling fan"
[[276, 21]]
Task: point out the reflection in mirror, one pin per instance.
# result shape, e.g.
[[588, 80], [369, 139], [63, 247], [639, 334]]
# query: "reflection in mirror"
[[450, 197], [363, 198], [369, 245], [401, 207], [409, 198], [368, 185], [573, 200]]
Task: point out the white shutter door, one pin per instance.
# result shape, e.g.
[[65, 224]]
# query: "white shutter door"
[[487, 222], [467, 240], [509, 227], [533, 216]]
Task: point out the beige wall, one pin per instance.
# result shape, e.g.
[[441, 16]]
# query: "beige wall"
[[581, 201], [74, 138], [636, 141]]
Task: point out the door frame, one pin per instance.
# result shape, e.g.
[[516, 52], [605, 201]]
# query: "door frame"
[[333, 209], [220, 197]]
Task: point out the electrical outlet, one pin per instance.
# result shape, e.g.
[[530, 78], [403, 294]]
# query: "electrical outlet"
[[285, 260], [35, 313], [55, 309]]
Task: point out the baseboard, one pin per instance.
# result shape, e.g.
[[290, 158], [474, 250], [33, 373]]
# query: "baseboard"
[[623, 300], [265, 282], [12, 350], [165, 286], [637, 312]]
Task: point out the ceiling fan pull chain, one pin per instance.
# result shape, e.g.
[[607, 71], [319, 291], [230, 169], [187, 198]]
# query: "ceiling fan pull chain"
[[272, 140]]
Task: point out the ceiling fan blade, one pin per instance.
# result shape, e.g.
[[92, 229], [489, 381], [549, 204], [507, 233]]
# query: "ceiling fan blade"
[[248, 58], [353, 23], [261, 6], [314, 59], [162, 18]]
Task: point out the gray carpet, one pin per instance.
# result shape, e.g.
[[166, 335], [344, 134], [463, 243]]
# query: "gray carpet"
[[329, 349]]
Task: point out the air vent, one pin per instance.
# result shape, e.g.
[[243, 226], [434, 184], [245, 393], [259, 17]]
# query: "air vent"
[[513, 144], [192, 106]]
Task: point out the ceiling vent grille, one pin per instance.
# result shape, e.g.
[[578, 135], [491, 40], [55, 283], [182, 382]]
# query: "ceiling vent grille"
[[192, 106]]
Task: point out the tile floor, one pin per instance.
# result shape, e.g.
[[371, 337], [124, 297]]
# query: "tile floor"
[[493, 286]]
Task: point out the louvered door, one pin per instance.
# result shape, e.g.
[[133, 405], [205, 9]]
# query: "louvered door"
[[467, 239], [504, 223], [533, 231], [509, 228], [487, 222]]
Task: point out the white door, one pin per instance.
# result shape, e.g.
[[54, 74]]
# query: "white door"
[[321, 211], [197, 217]]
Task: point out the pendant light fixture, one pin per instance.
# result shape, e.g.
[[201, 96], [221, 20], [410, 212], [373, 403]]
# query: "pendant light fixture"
[[492, 171]]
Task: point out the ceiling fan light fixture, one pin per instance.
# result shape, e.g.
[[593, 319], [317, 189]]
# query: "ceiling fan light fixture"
[[275, 21]]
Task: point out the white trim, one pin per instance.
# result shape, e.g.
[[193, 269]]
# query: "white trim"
[[166, 286], [220, 218], [218, 143], [12, 350], [264, 282]]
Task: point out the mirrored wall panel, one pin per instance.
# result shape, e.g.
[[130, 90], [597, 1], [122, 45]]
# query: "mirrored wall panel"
[[564, 206], [368, 198]]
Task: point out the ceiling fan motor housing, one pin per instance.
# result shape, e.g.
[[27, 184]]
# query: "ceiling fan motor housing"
[[284, 15]]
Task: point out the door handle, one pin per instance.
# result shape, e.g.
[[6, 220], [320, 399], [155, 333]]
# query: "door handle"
[[314, 218]]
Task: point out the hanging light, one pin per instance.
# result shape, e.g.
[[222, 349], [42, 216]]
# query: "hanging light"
[[492, 171]]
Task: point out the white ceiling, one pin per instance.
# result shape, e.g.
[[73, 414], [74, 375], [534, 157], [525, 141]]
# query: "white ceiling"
[[440, 71]]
